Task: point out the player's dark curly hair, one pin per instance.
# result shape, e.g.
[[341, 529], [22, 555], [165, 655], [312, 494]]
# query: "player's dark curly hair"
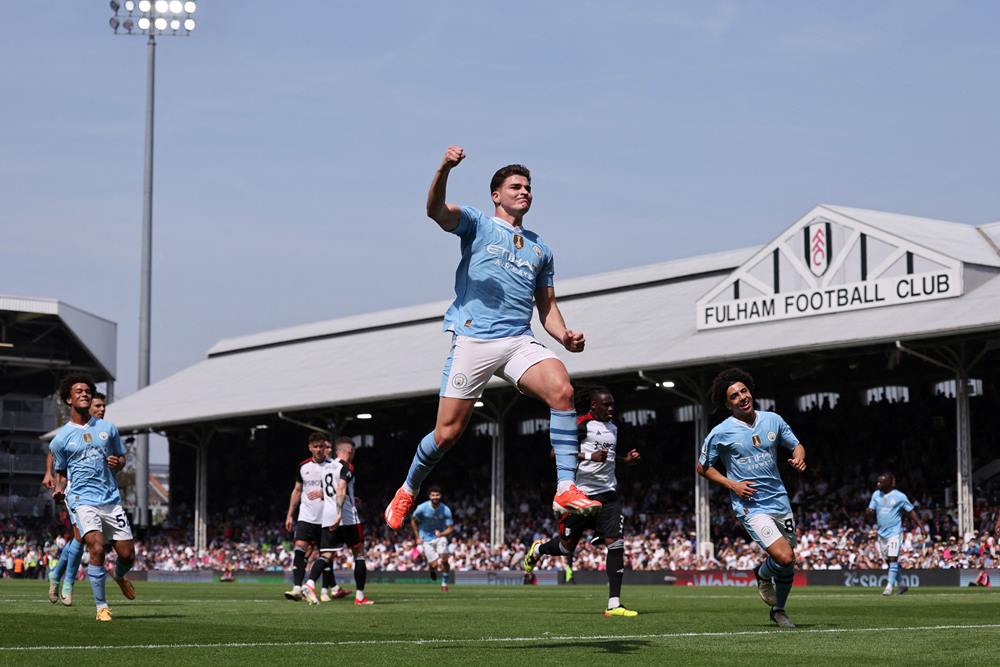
[[316, 436], [584, 395], [66, 386], [724, 381], [504, 172]]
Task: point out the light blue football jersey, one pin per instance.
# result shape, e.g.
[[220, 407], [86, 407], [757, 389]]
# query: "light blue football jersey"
[[495, 282], [889, 509], [82, 452], [750, 453], [429, 519]]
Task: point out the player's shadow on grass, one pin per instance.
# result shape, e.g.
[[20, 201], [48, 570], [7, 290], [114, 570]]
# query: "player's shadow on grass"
[[614, 647], [139, 617]]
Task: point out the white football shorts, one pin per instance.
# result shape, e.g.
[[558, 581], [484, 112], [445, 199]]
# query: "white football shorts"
[[109, 519], [473, 361], [889, 546], [766, 529], [434, 549]]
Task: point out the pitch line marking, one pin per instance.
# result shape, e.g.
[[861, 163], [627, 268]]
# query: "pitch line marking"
[[500, 640]]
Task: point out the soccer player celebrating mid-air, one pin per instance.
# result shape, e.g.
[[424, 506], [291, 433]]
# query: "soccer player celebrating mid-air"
[[311, 472], [341, 525], [432, 524], [746, 444], [888, 504], [72, 553], [595, 476], [87, 452], [505, 271]]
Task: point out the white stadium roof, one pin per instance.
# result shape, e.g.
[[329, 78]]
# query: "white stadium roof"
[[641, 318], [96, 335]]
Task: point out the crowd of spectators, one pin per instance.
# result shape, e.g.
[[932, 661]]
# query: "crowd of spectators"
[[826, 540], [843, 440]]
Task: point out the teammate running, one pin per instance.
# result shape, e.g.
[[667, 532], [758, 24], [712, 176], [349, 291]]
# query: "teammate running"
[[595, 476], [888, 505], [71, 554], [747, 443], [87, 452], [341, 524], [432, 524], [307, 527], [505, 271]]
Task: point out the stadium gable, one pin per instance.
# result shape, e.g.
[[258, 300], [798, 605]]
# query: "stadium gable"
[[642, 318]]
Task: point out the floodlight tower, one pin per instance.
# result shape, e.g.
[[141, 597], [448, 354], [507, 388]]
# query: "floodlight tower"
[[144, 17]]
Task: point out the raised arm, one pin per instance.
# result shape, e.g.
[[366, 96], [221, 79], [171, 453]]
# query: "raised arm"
[[552, 319], [445, 214]]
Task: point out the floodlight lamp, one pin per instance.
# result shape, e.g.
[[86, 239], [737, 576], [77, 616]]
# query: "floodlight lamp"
[[130, 6], [363, 415], [143, 23], [176, 6], [145, 5], [160, 23], [190, 7], [261, 427], [189, 24], [113, 22], [162, 6], [667, 384], [128, 24], [478, 404], [115, 6], [175, 24]]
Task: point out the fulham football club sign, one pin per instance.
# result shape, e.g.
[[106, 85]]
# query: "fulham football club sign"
[[830, 261]]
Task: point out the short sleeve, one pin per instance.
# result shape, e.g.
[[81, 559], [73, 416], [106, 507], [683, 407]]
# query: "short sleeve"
[[907, 505], [58, 449], [418, 514], [447, 516], [298, 476], [546, 276], [785, 435], [468, 221], [115, 441], [872, 504], [346, 473], [709, 452]]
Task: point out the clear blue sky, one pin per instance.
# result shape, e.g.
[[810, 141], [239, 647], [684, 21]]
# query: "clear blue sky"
[[295, 143]]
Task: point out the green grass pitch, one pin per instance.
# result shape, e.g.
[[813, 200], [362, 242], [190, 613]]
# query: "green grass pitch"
[[410, 624]]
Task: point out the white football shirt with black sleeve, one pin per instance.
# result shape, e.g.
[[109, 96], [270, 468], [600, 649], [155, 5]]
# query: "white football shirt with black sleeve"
[[593, 477]]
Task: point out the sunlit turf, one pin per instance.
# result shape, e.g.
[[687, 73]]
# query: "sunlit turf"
[[252, 624]]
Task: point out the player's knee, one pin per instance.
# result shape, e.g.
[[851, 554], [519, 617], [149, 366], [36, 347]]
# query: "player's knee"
[[785, 559], [562, 396], [447, 435]]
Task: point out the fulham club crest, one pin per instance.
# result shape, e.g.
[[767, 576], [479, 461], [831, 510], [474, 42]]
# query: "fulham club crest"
[[818, 247]]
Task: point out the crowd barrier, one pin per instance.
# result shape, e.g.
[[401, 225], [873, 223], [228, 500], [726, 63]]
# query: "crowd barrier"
[[846, 578]]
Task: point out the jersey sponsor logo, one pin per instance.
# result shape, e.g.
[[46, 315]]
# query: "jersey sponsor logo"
[[771, 436], [756, 440], [459, 380], [518, 241], [103, 435]]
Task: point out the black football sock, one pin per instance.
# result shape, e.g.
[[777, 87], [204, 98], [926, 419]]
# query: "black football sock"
[[360, 573], [616, 568], [317, 569], [551, 548], [329, 580], [299, 566]]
